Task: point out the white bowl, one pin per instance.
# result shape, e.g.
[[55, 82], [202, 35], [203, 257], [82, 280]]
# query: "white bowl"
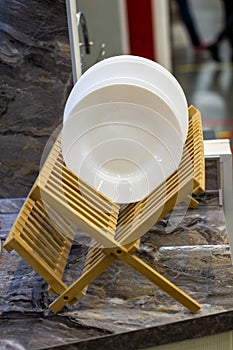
[[123, 149], [127, 66], [128, 93]]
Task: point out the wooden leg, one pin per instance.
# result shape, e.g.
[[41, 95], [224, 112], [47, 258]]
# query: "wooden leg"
[[160, 281], [87, 277], [70, 293], [193, 203]]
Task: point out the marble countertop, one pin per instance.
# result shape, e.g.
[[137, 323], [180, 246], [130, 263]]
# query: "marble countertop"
[[188, 246]]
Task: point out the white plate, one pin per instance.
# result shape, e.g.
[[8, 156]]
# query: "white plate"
[[121, 81], [127, 66], [124, 150], [128, 93]]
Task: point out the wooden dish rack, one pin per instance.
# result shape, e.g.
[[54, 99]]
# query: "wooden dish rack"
[[60, 202]]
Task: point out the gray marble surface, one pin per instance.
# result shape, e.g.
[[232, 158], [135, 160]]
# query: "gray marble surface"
[[36, 78]]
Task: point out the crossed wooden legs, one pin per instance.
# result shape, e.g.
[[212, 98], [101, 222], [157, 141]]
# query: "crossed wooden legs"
[[132, 260]]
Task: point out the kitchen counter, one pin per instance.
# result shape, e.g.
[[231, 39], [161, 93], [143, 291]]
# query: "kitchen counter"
[[122, 309]]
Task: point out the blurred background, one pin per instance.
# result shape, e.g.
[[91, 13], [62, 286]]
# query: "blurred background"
[[43, 52], [208, 84]]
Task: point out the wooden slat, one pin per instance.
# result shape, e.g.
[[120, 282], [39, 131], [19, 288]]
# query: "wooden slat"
[[63, 230], [89, 191], [60, 172], [79, 212], [32, 231], [34, 260], [72, 193]]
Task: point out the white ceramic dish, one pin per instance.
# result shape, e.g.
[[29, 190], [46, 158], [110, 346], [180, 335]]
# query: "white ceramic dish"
[[123, 149], [120, 81], [127, 66], [128, 93]]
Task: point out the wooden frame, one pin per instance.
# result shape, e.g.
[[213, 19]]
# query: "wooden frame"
[[59, 202]]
